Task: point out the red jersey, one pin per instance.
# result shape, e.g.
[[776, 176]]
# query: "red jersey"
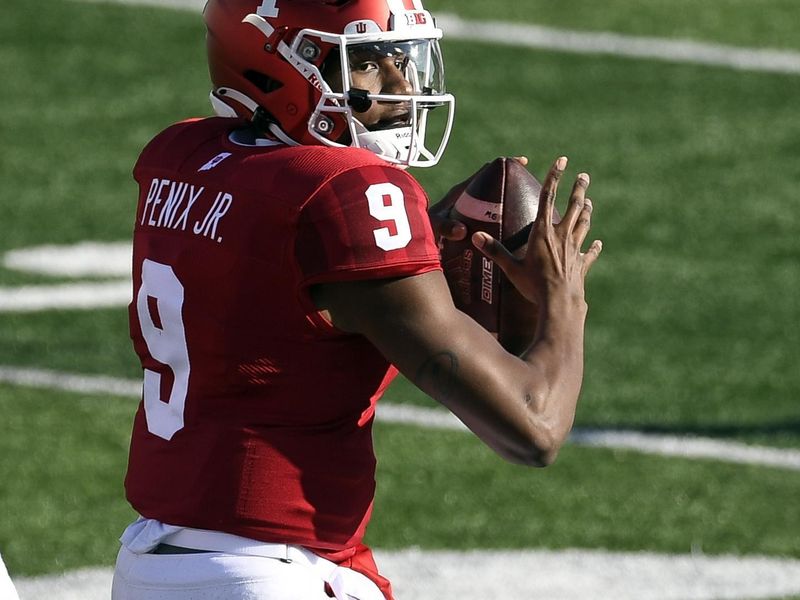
[[256, 414]]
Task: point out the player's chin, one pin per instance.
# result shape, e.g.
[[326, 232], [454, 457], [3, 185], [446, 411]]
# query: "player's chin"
[[375, 124], [394, 122]]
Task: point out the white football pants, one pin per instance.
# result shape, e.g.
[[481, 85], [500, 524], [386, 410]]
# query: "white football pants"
[[212, 576], [241, 576], [7, 591], [233, 568]]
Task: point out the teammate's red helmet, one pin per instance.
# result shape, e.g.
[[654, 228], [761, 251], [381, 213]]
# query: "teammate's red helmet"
[[268, 61]]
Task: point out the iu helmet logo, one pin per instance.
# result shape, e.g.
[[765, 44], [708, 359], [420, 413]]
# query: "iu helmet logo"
[[362, 27]]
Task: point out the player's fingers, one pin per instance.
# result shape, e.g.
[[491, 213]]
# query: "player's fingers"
[[576, 202], [493, 249], [591, 255], [583, 223], [547, 196], [450, 229], [523, 160]]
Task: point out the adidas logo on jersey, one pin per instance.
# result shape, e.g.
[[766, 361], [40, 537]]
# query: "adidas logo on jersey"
[[214, 161]]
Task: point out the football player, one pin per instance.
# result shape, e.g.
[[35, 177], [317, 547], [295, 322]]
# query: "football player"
[[285, 268]]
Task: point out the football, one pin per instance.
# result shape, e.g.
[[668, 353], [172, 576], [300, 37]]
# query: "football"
[[502, 199]]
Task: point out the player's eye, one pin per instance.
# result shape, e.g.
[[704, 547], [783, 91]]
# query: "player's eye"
[[365, 67]]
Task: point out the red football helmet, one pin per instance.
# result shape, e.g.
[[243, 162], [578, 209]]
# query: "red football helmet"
[[269, 61]]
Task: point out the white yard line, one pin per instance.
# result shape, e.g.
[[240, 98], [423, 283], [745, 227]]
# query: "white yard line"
[[193, 5], [82, 259], [582, 42], [65, 296], [82, 384], [525, 574], [689, 447]]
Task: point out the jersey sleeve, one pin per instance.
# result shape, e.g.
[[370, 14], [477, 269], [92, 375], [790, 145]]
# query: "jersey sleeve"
[[160, 151], [364, 223]]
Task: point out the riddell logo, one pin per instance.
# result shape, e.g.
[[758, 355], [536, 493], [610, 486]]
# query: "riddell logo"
[[314, 80]]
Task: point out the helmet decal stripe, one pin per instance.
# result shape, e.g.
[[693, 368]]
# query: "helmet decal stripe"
[[259, 23], [396, 6]]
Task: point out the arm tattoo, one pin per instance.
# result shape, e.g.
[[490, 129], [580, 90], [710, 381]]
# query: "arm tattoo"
[[438, 373]]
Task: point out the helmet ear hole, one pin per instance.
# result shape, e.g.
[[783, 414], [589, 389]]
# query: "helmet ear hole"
[[263, 82]]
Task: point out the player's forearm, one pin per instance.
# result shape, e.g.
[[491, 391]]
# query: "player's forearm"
[[520, 407], [523, 408], [556, 358]]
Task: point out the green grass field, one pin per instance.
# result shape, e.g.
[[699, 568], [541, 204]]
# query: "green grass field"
[[693, 325]]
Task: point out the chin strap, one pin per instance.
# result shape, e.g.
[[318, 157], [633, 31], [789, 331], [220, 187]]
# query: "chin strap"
[[389, 144], [223, 109], [260, 118], [281, 135]]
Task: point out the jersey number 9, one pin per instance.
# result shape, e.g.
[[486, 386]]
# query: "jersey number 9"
[[166, 342]]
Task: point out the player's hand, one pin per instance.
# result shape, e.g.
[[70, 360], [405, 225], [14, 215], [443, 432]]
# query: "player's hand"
[[443, 226], [554, 263]]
